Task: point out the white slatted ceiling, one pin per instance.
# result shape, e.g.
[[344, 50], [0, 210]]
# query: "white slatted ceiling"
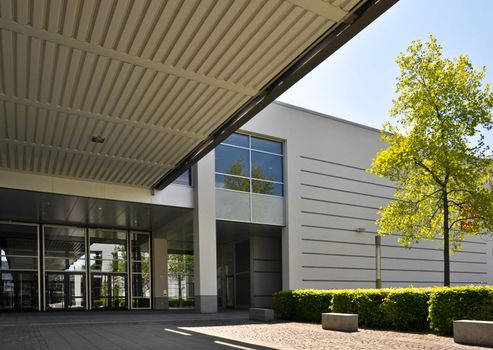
[[154, 77]]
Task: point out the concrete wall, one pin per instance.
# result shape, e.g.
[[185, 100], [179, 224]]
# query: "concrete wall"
[[173, 195], [329, 196], [265, 266]]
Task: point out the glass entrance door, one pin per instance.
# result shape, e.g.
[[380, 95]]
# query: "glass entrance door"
[[65, 267], [19, 284], [65, 291], [109, 269]]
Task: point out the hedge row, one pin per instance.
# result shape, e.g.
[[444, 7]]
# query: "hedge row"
[[406, 309]]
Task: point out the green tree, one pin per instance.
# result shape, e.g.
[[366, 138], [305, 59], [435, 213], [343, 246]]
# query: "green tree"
[[436, 155]]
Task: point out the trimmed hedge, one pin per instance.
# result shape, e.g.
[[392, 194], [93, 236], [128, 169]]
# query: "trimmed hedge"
[[405, 309], [364, 302], [302, 304], [470, 303]]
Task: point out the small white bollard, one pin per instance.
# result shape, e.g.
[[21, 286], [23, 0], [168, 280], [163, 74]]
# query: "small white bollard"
[[340, 322], [473, 332], [258, 314]]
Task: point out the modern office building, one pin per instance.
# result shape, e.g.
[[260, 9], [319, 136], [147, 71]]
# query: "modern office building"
[[285, 202], [104, 105]]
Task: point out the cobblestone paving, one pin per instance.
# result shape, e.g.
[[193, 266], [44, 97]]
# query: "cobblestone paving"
[[287, 336]]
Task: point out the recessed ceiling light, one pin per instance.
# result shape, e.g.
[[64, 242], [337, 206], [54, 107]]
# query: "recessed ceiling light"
[[97, 139]]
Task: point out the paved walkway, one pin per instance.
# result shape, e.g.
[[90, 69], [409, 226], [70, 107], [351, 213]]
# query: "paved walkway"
[[189, 330]]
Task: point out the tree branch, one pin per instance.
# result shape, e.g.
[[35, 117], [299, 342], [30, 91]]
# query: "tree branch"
[[435, 177]]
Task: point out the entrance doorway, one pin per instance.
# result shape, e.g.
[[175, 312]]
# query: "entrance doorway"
[[248, 264], [19, 283]]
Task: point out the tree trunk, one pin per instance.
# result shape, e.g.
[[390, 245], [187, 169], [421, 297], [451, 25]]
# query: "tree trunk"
[[446, 243]]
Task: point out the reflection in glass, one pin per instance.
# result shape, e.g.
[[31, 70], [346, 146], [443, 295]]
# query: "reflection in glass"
[[16, 262], [180, 279], [140, 246], [19, 240], [237, 140], [232, 183], [141, 278], [109, 283], [266, 145], [65, 291], [183, 179], [109, 291], [64, 264], [18, 291], [18, 251], [232, 160], [140, 285], [266, 166], [64, 242], [108, 250], [266, 187], [262, 159]]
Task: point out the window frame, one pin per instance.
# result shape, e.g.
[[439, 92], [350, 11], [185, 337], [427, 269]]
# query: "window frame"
[[249, 177]]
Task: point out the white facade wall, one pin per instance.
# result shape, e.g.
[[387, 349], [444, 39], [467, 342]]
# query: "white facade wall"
[[329, 196]]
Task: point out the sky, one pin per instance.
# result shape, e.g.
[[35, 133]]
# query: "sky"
[[357, 82]]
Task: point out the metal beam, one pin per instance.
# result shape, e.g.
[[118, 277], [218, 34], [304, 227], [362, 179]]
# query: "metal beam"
[[124, 57]]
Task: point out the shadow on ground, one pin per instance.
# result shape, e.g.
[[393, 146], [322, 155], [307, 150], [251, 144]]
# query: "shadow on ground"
[[118, 330]]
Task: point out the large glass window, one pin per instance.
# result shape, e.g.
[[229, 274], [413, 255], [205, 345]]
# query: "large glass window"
[[18, 267], [108, 266], [141, 270], [250, 164], [65, 267], [108, 250]]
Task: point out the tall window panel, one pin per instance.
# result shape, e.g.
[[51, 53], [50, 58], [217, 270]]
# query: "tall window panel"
[[250, 164], [65, 267], [109, 269], [140, 247], [250, 179], [19, 284]]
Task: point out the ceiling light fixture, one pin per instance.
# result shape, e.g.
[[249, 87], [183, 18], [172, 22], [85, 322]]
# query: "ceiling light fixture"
[[97, 139]]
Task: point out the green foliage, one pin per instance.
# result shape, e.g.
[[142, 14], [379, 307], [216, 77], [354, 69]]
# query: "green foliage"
[[404, 309], [364, 302], [436, 156], [302, 305], [459, 303]]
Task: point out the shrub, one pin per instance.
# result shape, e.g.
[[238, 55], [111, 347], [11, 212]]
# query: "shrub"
[[302, 304], [448, 304], [406, 309], [364, 302]]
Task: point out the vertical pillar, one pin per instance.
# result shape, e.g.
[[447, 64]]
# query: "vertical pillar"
[[204, 235], [378, 261], [160, 271]]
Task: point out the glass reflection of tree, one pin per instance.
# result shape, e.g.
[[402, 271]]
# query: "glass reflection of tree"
[[179, 267], [242, 184]]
